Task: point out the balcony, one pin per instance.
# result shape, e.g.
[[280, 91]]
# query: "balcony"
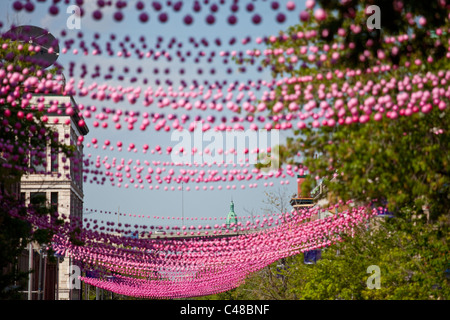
[[302, 202]]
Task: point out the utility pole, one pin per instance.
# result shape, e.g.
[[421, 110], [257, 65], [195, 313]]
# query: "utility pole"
[[97, 293], [40, 276], [57, 278], [182, 202], [45, 275], [30, 269]]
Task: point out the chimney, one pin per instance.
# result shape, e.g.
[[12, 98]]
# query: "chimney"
[[300, 180]]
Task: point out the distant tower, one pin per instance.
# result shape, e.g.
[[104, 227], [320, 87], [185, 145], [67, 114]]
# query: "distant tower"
[[232, 217]]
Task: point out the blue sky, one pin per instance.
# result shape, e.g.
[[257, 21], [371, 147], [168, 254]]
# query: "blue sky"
[[152, 202]]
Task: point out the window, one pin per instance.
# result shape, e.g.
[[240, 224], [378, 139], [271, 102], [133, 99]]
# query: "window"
[[38, 198], [38, 201], [54, 201], [39, 160], [54, 160]]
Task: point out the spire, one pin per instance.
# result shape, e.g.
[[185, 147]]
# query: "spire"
[[232, 217]]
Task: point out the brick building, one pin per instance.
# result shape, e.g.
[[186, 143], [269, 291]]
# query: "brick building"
[[59, 181]]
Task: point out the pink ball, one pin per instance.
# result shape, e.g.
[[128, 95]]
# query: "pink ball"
[[310, 4], [320, 14], [290, 5], [304, 16]]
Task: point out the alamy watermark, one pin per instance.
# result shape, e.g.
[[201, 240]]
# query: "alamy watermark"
[[74, 20], [227, 147], [73, 281], [374, 20], [374, 281]]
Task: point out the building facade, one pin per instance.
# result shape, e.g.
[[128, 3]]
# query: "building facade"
[[58, 181], [317, 199]]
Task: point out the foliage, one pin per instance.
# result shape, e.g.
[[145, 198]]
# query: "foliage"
[[24, 136], [345, 30], [398, 158], [12, 242], [400, 162], [412, 256]]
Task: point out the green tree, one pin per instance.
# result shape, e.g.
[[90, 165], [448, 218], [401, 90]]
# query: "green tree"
[[400, 162], [379, 127], [24, 135], [397, 158], [412, 259], [378, 135]]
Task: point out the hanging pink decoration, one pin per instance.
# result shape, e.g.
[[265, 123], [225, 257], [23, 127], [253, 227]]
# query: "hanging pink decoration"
[[168, 257], [137, 262]]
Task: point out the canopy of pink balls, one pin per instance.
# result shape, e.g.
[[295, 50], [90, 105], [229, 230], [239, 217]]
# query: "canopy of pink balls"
[[183, 266], [220, 258], [414, 99]]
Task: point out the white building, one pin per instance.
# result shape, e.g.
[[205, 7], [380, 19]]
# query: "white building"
[[60, 180]]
